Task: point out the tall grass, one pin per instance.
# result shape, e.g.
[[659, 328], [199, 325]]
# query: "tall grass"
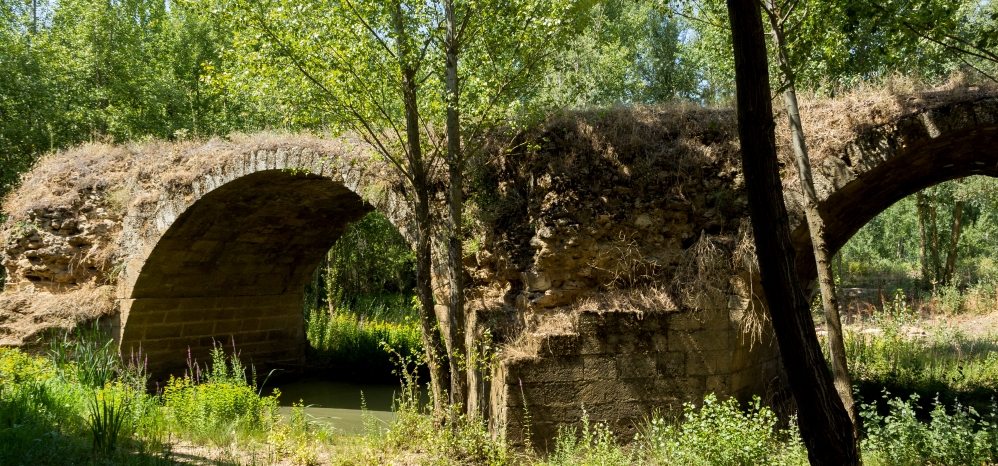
[[219, 403], [359, 346], [942, 361], [80, 404]]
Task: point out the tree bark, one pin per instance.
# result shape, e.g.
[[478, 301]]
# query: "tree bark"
[[816, 225], [458, 355], [922, 205], [935, 261], [954, 241], [432, 345], [823, 421]]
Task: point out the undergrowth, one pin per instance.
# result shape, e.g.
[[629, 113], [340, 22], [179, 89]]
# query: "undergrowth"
[[356, 346], [53, 412]]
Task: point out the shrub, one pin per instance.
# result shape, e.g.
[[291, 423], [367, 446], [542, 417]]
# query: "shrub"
[[594, 444], [221, 406], [720, 433], [962, 437]]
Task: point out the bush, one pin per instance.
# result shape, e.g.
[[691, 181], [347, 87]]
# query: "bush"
[[962, 437], [720, 433], [223, 406], [594, 445]]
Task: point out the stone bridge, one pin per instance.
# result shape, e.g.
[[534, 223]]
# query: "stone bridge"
[[615, 268]]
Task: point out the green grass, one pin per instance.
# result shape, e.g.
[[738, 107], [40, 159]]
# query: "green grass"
[[79, 404], [51, 412], [944, 362]]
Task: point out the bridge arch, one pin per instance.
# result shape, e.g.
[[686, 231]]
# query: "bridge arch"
[[887, 163], [226, 261]]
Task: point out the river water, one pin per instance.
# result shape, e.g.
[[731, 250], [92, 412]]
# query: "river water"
[[338, 404]]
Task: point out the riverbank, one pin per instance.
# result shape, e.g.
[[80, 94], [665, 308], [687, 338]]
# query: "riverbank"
[[80, 404]]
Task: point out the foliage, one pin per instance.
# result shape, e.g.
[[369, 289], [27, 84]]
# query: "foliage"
[[297, 439], [628, 52], [838, 45], [888, 249], [721, 433], [358, 346], [959, 436], [593, 444], [943, 360], [85, 358], [370, 258], [78, 70], [221, 407], [461, 440], [108, 411]]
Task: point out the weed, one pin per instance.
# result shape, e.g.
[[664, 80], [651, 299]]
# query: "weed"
[[109, 408], [593, 444], [721, 433], [960, 437]]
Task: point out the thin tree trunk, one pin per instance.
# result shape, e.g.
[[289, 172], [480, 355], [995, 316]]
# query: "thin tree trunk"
[[432, 344], [455, 251], [922, 205], [816, 225], [935, 260], [954, 241], [824, 423]]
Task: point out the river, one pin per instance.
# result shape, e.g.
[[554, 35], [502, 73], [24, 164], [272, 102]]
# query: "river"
[[338, 404]]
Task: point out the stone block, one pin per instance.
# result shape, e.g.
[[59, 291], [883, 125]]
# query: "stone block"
[[599, 367], [547, 370], [198, 329], [671, 364], [710, 362], [561, 344], [592, 344], [636, 365], [153, 332], [145, 318], [603, 391]]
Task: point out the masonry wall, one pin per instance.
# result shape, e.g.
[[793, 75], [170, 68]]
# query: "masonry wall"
[[267, 331], [622, 367]]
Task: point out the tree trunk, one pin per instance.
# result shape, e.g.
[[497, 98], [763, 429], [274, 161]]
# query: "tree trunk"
[[816, 225], [935, 261], [432, 345], [954, 241], [922, 205], [823, 421], [455, 250]]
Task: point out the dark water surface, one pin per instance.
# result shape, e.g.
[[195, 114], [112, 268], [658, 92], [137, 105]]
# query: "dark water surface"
[[338, 404]]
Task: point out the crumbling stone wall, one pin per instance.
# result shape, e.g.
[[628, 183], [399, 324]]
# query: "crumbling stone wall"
[[631, 269], [55, 247]]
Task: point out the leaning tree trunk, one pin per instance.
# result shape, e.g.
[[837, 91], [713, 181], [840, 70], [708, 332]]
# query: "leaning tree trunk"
[[458, 355], [823, 421], [816, 225]]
